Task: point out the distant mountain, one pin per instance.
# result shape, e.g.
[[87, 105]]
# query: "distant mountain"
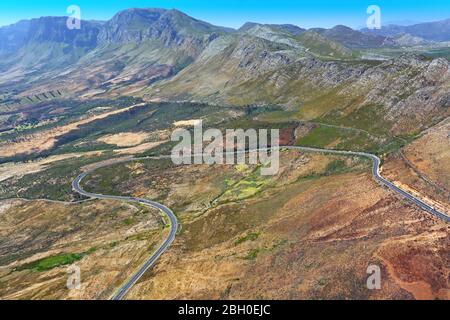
[[289, 28], [407, 40], [48, 30], [401, 22], [37, 48], [434, 31], [352, 38], [275, 33], [306, 42]]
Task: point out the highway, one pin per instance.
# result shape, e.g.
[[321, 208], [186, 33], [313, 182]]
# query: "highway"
[[122, 291], [161, 249], [376, 164]]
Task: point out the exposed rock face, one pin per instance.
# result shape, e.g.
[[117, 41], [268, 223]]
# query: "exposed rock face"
[[130, 25], [171, 27], [409, 91], [48, 29], [133, 44], [258, 56]]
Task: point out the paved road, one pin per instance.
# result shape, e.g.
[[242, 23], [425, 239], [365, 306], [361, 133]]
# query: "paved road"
[[173, 220], [376, 162], [163, 247]]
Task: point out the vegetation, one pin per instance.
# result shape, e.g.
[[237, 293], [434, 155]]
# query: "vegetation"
[[252, 236], [247, 187], [252, 254], [368, 118], [323, 136], [51, 262], [53, 182]]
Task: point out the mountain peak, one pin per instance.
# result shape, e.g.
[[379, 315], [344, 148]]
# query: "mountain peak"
[[352, 38], [341, 27], [137, 25], [248, 25]]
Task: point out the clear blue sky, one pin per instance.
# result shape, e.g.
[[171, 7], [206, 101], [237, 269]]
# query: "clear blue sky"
[[234, 13]]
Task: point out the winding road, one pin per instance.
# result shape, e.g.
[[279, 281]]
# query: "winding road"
[[120, 294]]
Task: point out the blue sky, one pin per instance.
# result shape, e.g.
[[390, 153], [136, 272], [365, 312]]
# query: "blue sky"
[[233, 13]]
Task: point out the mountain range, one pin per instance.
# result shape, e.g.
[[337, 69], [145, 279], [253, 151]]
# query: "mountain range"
[[165, 54], [432, 31]]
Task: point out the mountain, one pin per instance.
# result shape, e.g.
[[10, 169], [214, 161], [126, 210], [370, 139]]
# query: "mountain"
[[407, 40], [288, 28], [354, 39], [135, 47], [274, 33], [401, 22], [434, 31], [13, 37], [399, 95], [48, 30], [165, 54], [39, 48], [168, 26], [307, 42], [324, 46]]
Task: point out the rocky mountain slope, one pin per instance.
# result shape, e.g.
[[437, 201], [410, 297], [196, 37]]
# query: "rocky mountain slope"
[[165, 54], [39, 48], [171, 27], [136, 44], [402, 94], [47, 29]]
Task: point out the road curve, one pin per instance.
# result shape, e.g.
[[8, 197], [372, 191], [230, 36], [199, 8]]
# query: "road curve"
[[376, 162], [163, 247]]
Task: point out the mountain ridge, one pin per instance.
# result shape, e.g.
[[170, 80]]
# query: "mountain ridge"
[[434, 31], [139, 51]]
